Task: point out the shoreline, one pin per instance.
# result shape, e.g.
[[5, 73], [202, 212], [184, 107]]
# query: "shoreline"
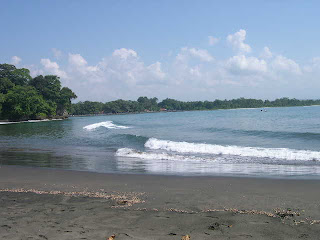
[[146, 112], [66, 204], [6, 121], [127, 113]]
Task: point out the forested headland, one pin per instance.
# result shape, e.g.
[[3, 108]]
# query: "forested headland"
[[23, 97]]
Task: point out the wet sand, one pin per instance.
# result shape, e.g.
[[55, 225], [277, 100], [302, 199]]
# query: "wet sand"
[[56, 204]]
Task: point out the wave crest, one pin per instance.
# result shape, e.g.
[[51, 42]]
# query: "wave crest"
[[106, 124], [202, 148]]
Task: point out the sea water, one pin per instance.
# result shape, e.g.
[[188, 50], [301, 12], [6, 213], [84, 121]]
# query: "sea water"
[[270, 142]]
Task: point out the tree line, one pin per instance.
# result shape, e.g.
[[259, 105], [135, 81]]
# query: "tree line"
[[145, 104], [23, 97]]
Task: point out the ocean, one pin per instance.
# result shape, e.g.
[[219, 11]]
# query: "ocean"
[[268, 143]]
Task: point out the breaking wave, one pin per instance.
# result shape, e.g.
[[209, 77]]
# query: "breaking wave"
[[129, 152], [107, 124], [202, 148]]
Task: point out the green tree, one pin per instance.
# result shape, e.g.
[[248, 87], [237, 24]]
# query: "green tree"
[[23, 103], [16, 76], [64, 102], [48, 86], [5, 85], [1, 102]]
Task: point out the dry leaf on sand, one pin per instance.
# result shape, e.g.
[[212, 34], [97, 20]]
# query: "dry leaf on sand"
[[186, 237]]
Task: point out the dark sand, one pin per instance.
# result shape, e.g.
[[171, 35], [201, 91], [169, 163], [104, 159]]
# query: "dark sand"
[[96, 206]]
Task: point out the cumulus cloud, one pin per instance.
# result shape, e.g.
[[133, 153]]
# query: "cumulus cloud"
[[193, 73], [237, 41], [155, 70], [187, 53], [78, 64], [52, 68], [266, 53], [77, 60], [124, 53], [246, 65], [283, 64], [212, 40], [15, 60], [120, 75]]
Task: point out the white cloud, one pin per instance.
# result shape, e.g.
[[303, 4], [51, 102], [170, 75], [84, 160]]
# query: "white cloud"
[[124, 53], [34, 70], [195, 71], [77, 60], [283, 64], [266, 53], [212, 40], [79, 64], [237, 41], [155, 70], [246, 65], [15, 60], [52, 68], [57, 53], [191, 75], [313, 66], [120, 75], [187, 53]]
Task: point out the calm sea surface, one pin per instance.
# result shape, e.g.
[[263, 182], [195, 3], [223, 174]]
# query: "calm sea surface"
[[275, 142]]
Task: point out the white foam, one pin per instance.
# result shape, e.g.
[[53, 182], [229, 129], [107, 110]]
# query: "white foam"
[[107, 124], [5, 123], [33, 121], [28, 121], [128, 152], [201, 148]]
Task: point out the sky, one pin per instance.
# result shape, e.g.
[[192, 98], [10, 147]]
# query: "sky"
[[187, 50]]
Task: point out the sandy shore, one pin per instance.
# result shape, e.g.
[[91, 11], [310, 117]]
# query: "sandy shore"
[[55, 204]]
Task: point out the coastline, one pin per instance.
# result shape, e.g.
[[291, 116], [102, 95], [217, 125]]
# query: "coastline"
[[154, 206], [127, 113], [145, 112], [6, 121]]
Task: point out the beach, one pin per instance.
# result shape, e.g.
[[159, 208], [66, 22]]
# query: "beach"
[[39, 203]]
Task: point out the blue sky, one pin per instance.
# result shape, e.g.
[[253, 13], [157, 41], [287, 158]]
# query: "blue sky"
[[106, 50]]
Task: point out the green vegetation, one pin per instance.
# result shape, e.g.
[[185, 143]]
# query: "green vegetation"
[[144, 104], [23, 97]]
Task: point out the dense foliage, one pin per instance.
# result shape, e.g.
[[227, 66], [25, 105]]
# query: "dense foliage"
[[144, 104], [23, 97]]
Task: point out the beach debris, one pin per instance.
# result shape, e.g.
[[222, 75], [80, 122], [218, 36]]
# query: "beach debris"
[[217, 226], [128, 198], [111, 237], [122, 202], [186, 237], [172, 234], [286, 213], [314, 222], [214, 226]]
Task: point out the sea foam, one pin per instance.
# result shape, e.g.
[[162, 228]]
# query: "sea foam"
[[202, 148], [29, 121], [129, 152], [107, 124]]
